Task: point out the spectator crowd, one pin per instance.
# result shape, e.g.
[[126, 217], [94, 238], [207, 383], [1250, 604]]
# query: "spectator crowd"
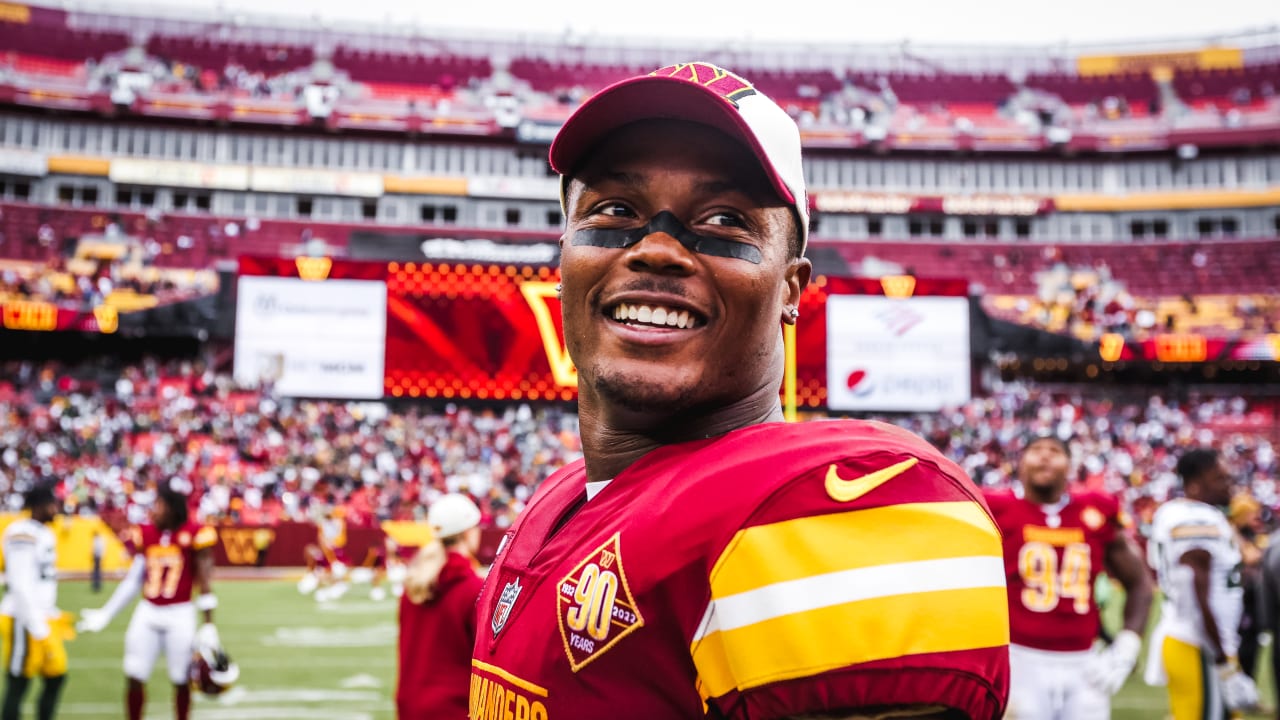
[[108, 434]]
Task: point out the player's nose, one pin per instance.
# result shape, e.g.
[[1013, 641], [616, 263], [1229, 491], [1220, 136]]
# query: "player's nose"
[[660, 252]]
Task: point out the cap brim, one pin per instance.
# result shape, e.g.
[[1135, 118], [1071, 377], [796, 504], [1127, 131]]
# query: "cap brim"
[[654, 98]]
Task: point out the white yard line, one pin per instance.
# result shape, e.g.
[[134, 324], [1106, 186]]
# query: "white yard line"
[[241, 695], [255, 663], [380, 635]]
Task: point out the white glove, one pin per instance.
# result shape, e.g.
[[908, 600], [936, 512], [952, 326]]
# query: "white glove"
[[207, 637], [1238, 690], [1111, 666], [93, 620]]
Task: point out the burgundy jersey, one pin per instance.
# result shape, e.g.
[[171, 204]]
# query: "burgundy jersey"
[[774, 571], [170, 559], [1051, 562]]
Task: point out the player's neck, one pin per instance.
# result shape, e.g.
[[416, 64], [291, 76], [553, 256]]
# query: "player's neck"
[[1197, 497], [1044, 496], [613, 438]]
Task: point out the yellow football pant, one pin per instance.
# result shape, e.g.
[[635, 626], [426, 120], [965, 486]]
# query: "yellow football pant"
[[1193, 684], [28, 657]]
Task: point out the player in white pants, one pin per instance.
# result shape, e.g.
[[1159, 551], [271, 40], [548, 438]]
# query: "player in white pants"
[[160, 628], [1046, 685], [172, 557]]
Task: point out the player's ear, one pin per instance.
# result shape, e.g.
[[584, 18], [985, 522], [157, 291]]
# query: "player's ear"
[[795, 279]]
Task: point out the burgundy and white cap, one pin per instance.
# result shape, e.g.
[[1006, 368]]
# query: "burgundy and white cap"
[[695, 92]]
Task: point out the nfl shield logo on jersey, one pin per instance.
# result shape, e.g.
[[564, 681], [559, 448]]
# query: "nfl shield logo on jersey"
[[505, 601]]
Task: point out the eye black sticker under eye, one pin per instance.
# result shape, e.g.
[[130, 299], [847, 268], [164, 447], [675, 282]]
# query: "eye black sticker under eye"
[[667, 223]]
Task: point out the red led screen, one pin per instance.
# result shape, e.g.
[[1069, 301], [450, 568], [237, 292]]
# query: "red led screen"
[[492, 332]]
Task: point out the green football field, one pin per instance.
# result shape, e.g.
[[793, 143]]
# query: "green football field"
[[303, 660], [298, 659]]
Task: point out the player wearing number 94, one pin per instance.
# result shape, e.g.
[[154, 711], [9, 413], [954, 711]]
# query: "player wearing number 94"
[[1055, 544], [172, 556]]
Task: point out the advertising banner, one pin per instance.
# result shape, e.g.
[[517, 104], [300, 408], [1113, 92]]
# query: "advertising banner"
[[311, 338], [179, 174], [877, 203], [897, 354]]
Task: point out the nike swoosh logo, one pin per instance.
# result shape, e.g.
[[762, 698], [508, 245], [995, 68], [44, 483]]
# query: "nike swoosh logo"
[[842, 490]]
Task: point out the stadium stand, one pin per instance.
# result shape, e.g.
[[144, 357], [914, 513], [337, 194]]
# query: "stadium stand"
[[71, 422], [1079, 107], [1139, 198], [108, 432]]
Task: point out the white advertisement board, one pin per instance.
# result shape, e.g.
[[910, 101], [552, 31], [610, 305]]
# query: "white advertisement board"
[[17, 161], [320, 182], [897, 355], [181, 174], [312, 339]]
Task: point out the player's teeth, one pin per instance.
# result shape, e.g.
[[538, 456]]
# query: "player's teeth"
[[650, 315]]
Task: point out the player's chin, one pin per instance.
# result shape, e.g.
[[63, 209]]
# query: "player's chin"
[[1045, 482], [647, 389]]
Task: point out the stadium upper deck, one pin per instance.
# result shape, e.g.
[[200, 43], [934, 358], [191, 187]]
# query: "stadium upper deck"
[[254, 71], [1151, 168]]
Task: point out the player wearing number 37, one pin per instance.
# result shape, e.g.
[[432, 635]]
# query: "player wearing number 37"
[[172, 559], [1055, 544], [706, 559]]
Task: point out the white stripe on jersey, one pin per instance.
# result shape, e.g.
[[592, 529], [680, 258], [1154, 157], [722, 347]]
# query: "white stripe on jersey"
[[846, 586]]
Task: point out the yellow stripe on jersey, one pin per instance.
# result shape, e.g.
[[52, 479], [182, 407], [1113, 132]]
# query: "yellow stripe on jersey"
[[1187, 532], [814, 641], [1057, 537], [804, 596], [808, 546]]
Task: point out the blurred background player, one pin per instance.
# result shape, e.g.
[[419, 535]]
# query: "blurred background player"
[[172, 557], [437, 615], [98, 549], [327, 557], [1245, 515], [31, 624], [1269, 602], [383, 568], [1197, 560], [1056, 543]]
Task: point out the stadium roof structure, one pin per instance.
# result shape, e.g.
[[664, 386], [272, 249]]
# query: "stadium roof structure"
[[1258, 45]]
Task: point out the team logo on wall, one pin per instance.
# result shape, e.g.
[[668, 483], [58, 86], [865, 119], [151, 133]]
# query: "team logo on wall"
[[595, 607], [505, 602]]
